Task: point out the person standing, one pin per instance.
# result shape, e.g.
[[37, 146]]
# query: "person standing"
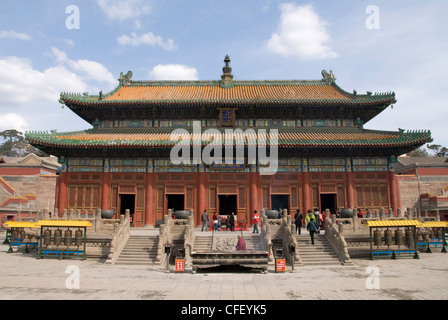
[[215, 221], [316, 219], [298, 221], [312, 229], [255, 221], [228, 222], [309, 217], [232, 222], [204, 219]]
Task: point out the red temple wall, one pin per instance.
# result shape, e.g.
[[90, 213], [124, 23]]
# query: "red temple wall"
[[88, 191]]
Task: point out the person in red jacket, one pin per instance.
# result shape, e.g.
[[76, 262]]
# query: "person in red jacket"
[[255, 221]]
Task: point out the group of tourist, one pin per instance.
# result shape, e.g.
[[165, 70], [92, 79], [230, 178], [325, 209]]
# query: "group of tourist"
[[314, 222], [217, 224]]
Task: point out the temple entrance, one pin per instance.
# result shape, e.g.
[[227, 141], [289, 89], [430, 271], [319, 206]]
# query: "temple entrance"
[[328, 201], [227, 204], [175, 202], [127, 201], [280, 202]]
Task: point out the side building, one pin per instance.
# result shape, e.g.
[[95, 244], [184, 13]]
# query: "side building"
[[313, 128], [27, 184], [423, 184]]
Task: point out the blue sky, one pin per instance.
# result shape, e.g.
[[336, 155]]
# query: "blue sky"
[[400, 46]]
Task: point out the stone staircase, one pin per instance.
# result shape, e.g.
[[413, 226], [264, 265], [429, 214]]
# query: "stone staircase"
[[139, 250], [321, 253], [203, 243], [253, 242]]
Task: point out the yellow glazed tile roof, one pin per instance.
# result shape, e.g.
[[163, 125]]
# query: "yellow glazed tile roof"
[[63, 223], [434, 224], [300, 137], [217, 93], [19, 224], [392, 223]]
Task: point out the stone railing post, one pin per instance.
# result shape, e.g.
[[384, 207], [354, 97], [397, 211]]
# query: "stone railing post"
[[265, 234], [97, 220], [335, 235], [164, 237], [355, 220], [121, 234], [189, 238]]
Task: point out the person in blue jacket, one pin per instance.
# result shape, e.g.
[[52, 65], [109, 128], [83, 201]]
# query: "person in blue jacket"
[[312, 229]]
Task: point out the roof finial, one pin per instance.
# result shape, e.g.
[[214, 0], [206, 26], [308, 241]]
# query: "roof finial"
[[227, 77]]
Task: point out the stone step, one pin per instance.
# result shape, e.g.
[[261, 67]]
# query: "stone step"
[[135, 261], [136, 251], [139, 250], [321, 253]]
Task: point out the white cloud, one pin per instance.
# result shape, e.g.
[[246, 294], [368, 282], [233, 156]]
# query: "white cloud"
[[21, 84], [13, 120], [124, 10], [146, 39], [91, 69], [173, 72], [29, 97], [15, 35], [301, 34], [69, 42]]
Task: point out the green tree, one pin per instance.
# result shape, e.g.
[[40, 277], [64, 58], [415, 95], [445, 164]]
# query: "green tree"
[[418, 152], [438, 150], [15, 145]]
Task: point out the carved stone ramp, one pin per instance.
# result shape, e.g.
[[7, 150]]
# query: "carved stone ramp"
[[219, 251]]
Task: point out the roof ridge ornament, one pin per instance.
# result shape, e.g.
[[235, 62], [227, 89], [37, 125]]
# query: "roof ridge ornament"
[[125, 79], [227, 77], [328, 77]]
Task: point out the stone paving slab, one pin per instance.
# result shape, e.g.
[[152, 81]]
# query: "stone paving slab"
[[24, 277]]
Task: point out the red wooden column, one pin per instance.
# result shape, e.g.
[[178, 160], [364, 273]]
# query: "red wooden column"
[[306, 192], [398, 192], [393, 192], [149, 199], [253, 204], [105, 191], [201, 198], [62, 192], [349, 189]]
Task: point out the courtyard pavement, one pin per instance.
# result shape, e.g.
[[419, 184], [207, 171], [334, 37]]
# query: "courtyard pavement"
[[23, 277]]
